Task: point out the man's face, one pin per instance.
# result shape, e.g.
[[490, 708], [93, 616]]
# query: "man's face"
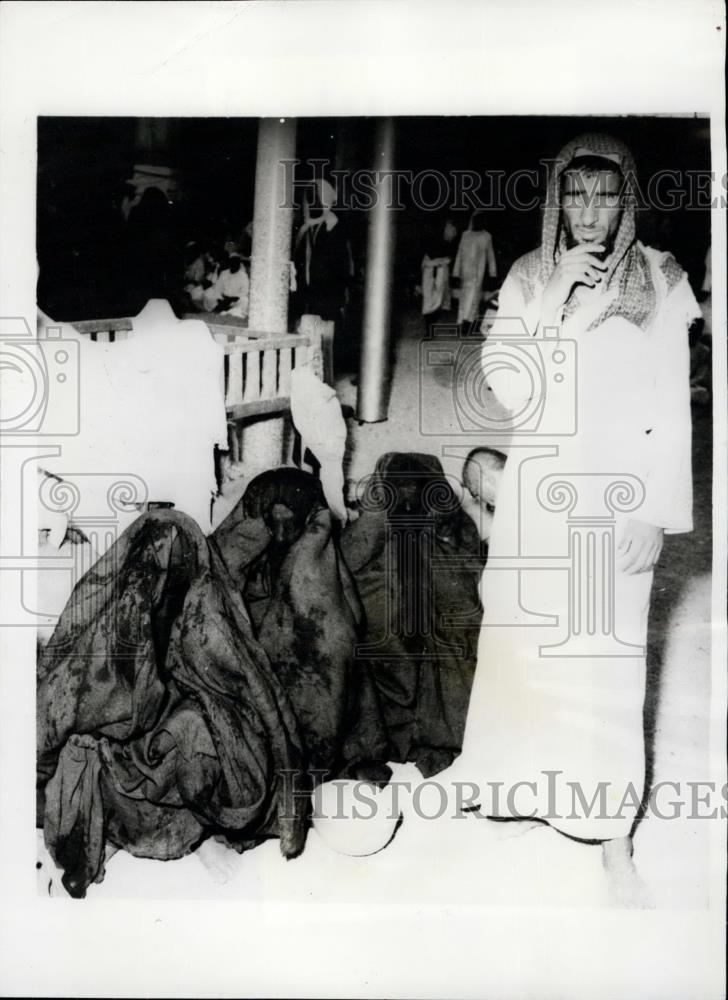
[[590, 208]]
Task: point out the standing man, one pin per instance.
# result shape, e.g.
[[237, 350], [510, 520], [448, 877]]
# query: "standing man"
[[323, 256], [475, 257], [324, 268], [562, 728]]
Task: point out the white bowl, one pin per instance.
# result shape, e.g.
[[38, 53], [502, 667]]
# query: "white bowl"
[[354, 817]]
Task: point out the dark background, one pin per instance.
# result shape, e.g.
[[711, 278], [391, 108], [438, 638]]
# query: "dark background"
[[87, 264]]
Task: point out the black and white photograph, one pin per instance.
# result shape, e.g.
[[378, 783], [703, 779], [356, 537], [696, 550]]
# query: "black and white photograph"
[[363, 541]]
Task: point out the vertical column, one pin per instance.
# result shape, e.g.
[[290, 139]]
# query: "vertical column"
[[409, 621], [100, 505], [591, 502], [373, 400], [591, 595], [270, 270], [412, 544]]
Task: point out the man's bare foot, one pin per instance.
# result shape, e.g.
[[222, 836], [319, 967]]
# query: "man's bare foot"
[[219, 860], [626, 888]]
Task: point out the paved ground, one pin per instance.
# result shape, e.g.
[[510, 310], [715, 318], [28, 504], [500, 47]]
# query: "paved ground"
[[447, 861]]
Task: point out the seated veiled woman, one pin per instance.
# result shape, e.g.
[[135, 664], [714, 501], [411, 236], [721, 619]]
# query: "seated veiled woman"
[[282, 499], [160, 720], [417, 559], [282, 549], [168, 713]]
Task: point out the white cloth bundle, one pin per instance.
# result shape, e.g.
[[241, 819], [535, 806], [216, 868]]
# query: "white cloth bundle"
[[151, 407], [317, 416]]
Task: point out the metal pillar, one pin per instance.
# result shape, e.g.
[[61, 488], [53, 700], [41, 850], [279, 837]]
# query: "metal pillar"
[[262, 441], [372, 402]]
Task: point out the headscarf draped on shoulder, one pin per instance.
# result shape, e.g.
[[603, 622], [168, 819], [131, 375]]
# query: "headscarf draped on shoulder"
[[628, 268]]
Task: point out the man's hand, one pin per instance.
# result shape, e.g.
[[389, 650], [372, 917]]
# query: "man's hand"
[[639, 547], [578, 266]]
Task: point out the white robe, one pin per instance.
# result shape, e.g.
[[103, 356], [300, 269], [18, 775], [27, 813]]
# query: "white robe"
[[316, 414], [534, 710], [475, 255], [235, 286], [435, 284]]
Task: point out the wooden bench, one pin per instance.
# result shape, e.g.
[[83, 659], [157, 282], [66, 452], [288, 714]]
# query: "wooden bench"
[[258, 365]]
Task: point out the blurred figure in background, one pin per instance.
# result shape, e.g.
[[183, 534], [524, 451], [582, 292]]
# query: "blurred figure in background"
[[475, 257], [701, 341], [323, 258], [230, 292], [200, 276], [436, 265]]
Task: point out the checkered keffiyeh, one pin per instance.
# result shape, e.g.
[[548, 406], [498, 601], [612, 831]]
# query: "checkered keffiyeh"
[[628, 267]]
